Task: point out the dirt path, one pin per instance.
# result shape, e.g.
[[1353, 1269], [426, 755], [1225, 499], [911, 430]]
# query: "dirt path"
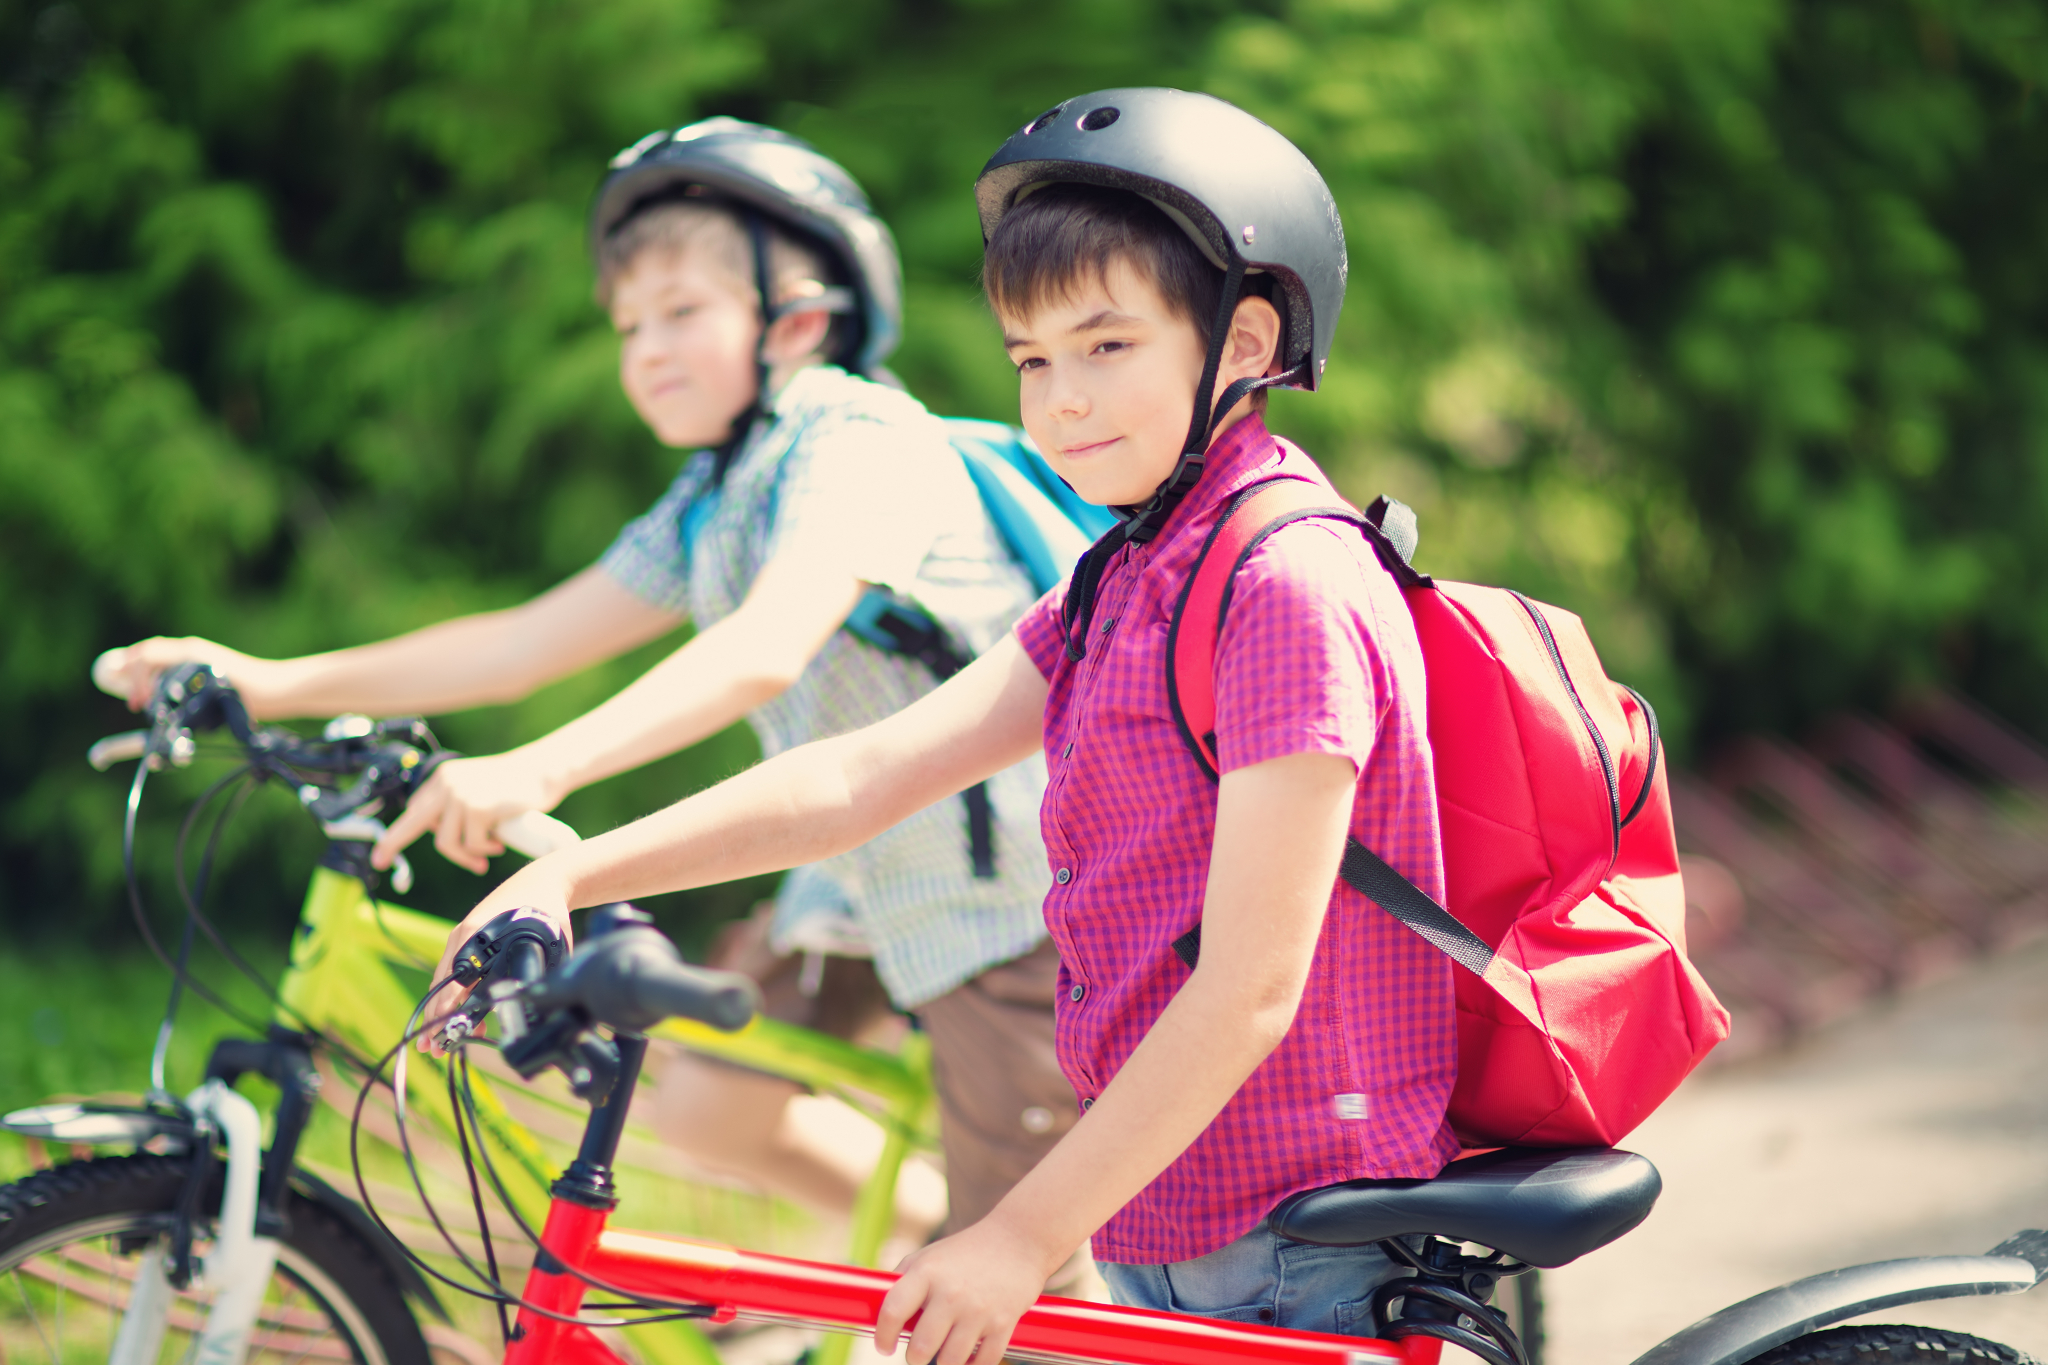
[[1917, 1127]]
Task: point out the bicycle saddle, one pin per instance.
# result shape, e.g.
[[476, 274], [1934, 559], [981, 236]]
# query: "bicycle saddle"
[[1545, 1207]]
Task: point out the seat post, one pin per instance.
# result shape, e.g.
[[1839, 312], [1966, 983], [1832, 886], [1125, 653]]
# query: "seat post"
[[1447, 1286]]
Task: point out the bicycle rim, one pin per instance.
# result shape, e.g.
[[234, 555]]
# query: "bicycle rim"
[[63, 1294]]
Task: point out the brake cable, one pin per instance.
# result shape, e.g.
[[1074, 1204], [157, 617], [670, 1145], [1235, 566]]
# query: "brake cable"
[[178, 970], [495, 1291]]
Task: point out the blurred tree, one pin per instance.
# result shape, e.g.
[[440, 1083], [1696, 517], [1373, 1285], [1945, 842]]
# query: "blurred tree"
[[1721, 324], [296, 350]]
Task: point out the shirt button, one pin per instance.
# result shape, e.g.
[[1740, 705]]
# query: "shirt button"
[[1068, 751], [1064, 875], [1107, 624], [1087, 1104], [1076, 994]]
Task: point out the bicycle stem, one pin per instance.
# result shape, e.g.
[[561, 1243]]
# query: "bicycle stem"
[[588, 1181]]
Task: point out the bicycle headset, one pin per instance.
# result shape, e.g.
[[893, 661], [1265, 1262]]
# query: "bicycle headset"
[[761, 172], [1243, 193]]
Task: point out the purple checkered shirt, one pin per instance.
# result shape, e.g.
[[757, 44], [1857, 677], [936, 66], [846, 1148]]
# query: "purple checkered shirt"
[[1318, 655]]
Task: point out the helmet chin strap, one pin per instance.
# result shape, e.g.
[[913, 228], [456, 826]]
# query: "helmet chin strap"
[[1140, 524], [727, 450]]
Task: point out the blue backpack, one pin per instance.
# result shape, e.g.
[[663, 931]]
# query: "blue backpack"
[[1044, 525]]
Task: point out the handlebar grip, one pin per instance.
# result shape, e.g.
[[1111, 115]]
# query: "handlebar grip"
[[524, 961], [536, 834], [117, 749], [724, 1000], [633, 978], [106, 674]]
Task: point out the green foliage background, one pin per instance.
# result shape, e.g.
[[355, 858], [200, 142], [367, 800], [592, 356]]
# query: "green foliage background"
[[1722, 323]]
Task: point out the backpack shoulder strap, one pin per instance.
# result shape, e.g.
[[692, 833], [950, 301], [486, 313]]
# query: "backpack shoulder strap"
[[1197, 625], [1254, 514]]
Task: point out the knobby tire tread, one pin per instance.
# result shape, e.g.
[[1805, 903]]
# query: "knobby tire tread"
[[1892, 1345]]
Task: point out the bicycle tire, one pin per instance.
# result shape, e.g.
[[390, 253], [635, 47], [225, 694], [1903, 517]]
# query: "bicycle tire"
[[68, 1233], [1892, 1345]]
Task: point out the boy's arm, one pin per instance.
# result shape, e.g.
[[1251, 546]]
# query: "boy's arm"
[[493, 656], [797, 601], [1280, 830], [803, 805]]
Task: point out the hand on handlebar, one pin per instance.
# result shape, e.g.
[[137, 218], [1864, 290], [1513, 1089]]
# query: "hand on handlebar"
[[131, 673], [531, 889], [463, 803]]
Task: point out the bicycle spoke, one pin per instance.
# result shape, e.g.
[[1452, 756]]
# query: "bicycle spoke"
[[35, 1318]]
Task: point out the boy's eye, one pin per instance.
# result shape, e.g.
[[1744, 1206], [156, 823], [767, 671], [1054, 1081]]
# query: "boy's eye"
[[682, 310], [1029, 363], [1104, 347]]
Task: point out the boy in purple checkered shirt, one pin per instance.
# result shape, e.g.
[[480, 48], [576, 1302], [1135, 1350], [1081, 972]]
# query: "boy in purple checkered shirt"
[[1149, 250]]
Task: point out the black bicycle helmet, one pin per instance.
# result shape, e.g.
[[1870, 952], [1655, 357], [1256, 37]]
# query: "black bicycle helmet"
[[1245, 194], [786, 179]]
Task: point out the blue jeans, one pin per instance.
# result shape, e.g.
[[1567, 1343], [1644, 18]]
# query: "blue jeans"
[[1265, 1279]]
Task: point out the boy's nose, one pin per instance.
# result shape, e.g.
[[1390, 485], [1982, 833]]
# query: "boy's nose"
[[1064, 397]]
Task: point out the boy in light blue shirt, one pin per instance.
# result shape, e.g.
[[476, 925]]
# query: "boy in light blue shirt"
[[755, 294]]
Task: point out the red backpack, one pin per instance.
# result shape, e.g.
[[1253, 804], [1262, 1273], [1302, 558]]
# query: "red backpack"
[[1577, 1010]]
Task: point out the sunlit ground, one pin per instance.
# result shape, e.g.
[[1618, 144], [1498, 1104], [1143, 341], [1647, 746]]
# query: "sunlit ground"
[[1916, 1127]]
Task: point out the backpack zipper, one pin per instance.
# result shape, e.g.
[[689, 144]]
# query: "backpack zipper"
[[1599, 741]]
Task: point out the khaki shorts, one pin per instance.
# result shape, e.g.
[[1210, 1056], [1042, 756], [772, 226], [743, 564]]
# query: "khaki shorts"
[[1003, 1102]]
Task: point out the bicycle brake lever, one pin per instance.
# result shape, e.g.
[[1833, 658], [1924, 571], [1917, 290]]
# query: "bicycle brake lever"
[[368, 830]]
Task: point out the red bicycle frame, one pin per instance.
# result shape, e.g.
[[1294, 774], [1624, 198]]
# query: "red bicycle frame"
[[758, 1287], [731, 1283]]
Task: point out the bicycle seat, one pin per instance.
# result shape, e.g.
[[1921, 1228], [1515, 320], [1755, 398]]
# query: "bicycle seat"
[[1545, 1207]]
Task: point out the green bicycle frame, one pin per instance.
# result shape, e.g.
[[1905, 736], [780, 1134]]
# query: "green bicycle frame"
[[345, 980]]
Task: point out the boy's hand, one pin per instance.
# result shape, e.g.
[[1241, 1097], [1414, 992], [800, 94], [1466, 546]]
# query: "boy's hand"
[[131, 673], [463, 803], [966, 1292], [532, 888]]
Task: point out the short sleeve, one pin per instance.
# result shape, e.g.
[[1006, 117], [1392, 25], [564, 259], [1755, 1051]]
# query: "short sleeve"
[[1042, 630], [867, 495], [647, 559], [1295, 671]]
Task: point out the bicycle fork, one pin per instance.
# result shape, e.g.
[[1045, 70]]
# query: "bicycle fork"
[[244, 1253]]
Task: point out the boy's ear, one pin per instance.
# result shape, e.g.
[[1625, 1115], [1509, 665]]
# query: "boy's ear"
[[1254, 343], [797, 336]]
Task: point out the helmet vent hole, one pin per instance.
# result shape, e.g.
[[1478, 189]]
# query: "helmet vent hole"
[[1097, 119], [1043, 119]]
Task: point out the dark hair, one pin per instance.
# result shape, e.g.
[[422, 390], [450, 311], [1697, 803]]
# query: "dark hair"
[[1067, 234]]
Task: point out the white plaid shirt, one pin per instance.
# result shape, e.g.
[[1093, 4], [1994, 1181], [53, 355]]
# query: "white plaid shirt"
[[850, 458]]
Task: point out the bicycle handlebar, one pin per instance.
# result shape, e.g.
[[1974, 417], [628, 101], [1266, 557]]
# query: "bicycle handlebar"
[[536, 834], [117, 749], [388, 759], [632, 978]]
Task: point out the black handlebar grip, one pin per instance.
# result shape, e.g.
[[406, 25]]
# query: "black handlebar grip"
[[522, 960], [633, 978], [671, 989]]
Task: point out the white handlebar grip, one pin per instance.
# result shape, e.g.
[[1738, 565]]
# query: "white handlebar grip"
[[106, 673], [536, 834], [117, 749]]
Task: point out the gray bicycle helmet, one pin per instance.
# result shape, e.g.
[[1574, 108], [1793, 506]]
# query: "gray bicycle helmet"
[[1248, 199], [1245, 194], [786, 179]]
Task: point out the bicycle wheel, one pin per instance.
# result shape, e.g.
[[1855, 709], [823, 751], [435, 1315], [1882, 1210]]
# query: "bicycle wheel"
[[73, 1238], [1889, 1345]]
